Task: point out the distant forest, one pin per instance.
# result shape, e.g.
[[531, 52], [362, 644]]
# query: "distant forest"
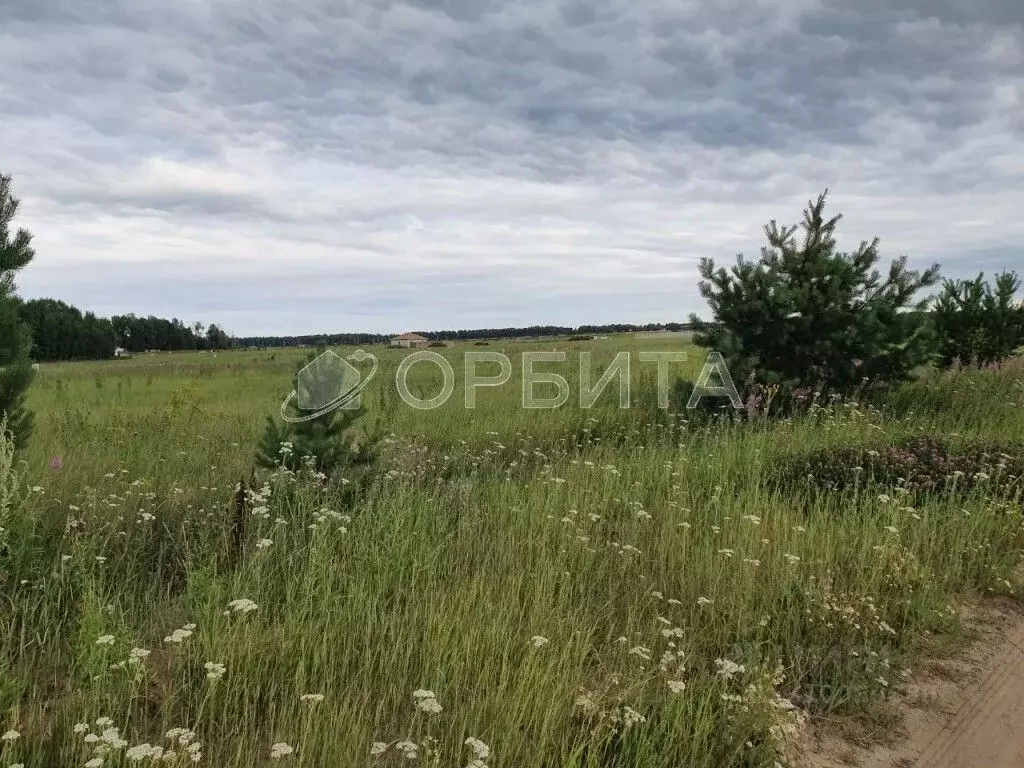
[[463, 335], [63, 332]]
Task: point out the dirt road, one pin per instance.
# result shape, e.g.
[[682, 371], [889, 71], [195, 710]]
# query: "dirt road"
[[966, 712]]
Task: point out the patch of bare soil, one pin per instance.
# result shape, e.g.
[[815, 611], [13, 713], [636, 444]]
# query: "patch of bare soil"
[[966, 711]]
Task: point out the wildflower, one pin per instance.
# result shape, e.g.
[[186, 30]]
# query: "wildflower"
[[96, 762], [312, 698], [429, 705], [892, 529], [10, 736], [480, 750], [56, 463], [783, 703], [105, 640], [263, 543], [704, 601], [792, 559], [641, 652], [753, 519], [136, 655], [727, 552], [631, 717], [112, 737], [141, 752], [728, 669], [80, 727], [214, 671], [409, 749], [280, 749], [676, 686], [179, 636], [241, 605], [378, 748], [538, 641]]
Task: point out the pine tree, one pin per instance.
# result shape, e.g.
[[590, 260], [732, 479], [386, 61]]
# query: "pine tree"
[[16, 371], [806, 315], [977, 324], [330, 441]]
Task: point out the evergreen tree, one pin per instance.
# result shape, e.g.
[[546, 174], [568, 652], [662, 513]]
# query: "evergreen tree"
[[15, 340], [329, 441], [806, 315], [976, 323]]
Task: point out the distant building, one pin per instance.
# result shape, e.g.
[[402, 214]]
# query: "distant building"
[[121, 352], [409, 340]]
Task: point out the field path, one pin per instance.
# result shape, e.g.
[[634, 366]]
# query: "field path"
[[966, 712]]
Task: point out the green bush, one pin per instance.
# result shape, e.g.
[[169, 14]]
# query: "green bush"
[[808, 317], [976, 323]]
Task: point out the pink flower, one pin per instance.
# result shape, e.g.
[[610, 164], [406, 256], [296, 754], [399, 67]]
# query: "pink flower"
[[56, 463]]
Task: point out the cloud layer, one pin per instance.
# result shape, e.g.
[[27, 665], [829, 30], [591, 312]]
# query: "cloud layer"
[[367, 165]]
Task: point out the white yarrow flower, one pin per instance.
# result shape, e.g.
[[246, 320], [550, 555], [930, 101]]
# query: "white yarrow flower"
[[280, 749], [480, 750]]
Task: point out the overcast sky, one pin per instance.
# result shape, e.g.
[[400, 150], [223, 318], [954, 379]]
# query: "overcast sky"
[[343, 165]]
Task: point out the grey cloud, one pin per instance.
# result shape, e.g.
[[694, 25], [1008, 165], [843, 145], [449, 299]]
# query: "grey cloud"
[[466, 159]]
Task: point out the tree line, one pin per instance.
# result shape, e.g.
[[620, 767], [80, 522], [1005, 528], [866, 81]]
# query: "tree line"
[[60, 331], [356, 339]]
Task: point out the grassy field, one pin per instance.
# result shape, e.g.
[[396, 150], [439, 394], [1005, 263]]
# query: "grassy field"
[[530, 588]]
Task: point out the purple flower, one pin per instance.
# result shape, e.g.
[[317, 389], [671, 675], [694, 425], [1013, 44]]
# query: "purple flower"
[[56, 463]]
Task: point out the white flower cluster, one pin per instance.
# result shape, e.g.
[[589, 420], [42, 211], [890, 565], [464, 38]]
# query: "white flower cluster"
[[214, 671], [242, 605], [480, 752], [280, 749], [426, 701], [179, 636]]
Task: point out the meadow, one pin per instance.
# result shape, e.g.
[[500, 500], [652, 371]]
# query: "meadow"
[[534, 588]]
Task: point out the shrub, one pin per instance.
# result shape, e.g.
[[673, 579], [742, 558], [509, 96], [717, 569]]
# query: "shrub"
[[808, 315]]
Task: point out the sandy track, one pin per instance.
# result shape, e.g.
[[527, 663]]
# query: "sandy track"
[[961, 713]]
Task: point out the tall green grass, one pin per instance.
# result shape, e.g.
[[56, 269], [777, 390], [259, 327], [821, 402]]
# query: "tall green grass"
[[614, 588]]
